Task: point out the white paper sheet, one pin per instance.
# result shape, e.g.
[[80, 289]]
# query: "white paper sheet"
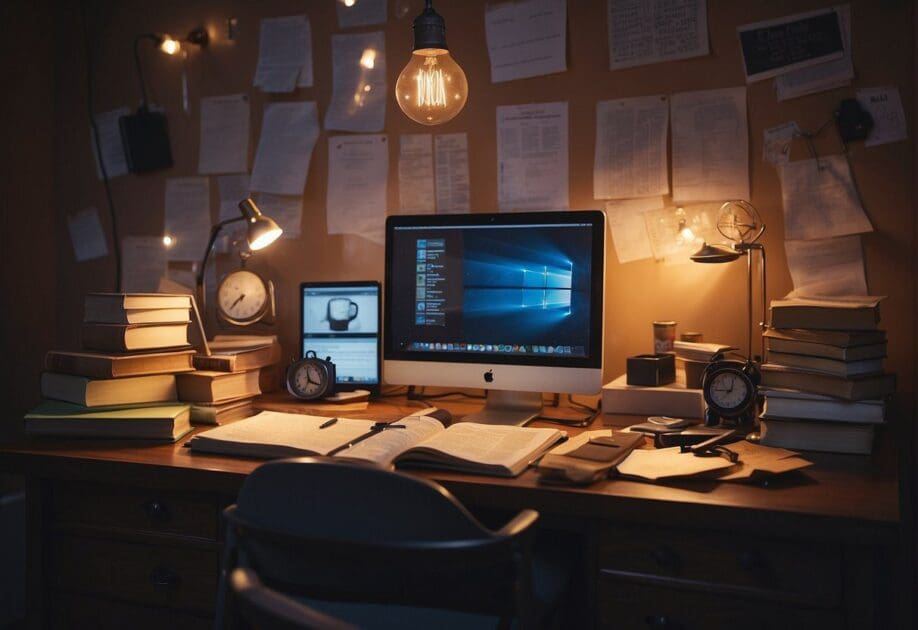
[[532, 157], [777, 146], [143, 263], [416, 174], [187, 217], [630, 159], [885, 106], [820, 199], [353, 13], [710, 145], [826, 267], [288, 135], [627, 227], [232, 189], [110, 141], [86, 235], [642, 32], [357, 175], [224, 134], [452, 172], [359, 90], [823, 76], [526, 38], [677, 232], [284, 54], [287, 211]]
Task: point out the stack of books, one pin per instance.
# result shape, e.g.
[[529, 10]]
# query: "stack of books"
[[123, 382], [824, 383]]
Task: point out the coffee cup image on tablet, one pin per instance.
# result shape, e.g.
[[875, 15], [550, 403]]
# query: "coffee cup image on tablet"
[[340, 312]]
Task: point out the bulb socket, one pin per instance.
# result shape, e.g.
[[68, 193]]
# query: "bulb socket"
[[429, 30]]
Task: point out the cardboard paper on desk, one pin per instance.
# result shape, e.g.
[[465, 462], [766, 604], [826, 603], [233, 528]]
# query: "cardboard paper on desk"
[[666, 400], [669, 463], [756, 461]]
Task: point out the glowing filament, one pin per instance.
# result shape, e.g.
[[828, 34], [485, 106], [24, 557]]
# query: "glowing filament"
[[431, 85]]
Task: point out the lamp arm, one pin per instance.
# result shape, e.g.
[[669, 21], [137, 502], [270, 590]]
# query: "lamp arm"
[[214, 232]]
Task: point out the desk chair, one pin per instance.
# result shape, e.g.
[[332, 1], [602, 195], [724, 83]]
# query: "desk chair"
[[382, 549]]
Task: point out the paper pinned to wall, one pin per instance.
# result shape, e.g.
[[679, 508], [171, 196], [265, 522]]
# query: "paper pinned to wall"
[[532, 157], [143, 263], [526, 38], [358, 101], [820, 199], [630, 159], [232, 189], [677, 232], [823, 76], [357, 174], [224, 144], [353, 13], [710, 145], [284, 54], [416, 174], [110, 140], [288, 135], [885, 107], [187, 217], [287, 211], [642, 32], [827, 267], [777, 146], [86, 235], [452, 171], [628, 229]]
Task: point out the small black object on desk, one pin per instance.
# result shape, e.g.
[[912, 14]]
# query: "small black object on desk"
[[651, 370]]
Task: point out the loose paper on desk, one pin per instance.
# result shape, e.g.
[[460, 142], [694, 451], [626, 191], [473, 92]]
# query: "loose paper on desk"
[[359, 92], [284, 54], [710, 145], [224, 144], [532, 158], [361, 13], [187, 217], [357, 175], [823, 76], [885, 107], [630, 159], [642, 32], [288, 135], [143, 263], [777, 146], [826, 267], [668, 463], [110, 140], [629, 232], [452, 171], [526, 38], [285, 209], [86, 235], [416, 174], [820, 199], [763, 460]]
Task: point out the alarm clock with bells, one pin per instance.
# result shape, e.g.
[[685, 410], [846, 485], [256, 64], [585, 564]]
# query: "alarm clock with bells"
[[730, 390], [245, 298], [311, 377]]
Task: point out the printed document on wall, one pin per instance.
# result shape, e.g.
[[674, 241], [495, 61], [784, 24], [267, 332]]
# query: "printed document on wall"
[[532, 157], [452, 166], [823, 76], [224, 134], [415, 174], [284, 54], [630, 159], [526, 38], [86, 235], [143, 263], [357, 174], [286, 210], [885, 107], [360, 12], [358, 100], [821, 200], [826, 267], [710, 145], [187, 217], [110, 140], [628, 228], [642, 32], [777, 145], [288, 135]]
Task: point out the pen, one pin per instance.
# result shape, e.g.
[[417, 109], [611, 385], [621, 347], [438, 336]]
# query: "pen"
[[328, 423], [382, 426]]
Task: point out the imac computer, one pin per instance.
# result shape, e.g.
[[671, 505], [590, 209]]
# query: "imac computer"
[[512, 303]]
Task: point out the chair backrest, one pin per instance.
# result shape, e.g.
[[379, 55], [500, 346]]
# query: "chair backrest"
[[345, 532]]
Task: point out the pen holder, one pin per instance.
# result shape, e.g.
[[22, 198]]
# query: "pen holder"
[[651, 370]]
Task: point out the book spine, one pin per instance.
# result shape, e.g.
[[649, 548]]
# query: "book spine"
[[73, 365], [215, 364]]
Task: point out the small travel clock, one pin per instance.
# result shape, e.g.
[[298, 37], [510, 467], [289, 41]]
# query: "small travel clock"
[[730, 389], [245, 298], [311, 377]]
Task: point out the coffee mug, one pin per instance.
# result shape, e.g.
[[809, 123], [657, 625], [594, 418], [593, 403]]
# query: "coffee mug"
[[340, 313]]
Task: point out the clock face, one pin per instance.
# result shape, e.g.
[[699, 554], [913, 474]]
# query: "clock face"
[[242, 297], [308, 378], [729, 391]]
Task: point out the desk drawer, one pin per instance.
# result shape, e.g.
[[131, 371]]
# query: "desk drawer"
[[727, 562], [114, 507], [80, 611], [154, 575]]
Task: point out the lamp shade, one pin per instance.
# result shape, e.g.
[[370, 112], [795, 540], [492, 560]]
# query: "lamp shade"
[[262, 230], [715, 254]]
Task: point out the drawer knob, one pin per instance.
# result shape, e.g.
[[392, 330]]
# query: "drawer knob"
[[156, 510], [665, 557], [164, 578]]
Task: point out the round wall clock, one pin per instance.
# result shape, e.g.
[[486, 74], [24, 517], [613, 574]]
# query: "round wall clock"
[[245, 298]]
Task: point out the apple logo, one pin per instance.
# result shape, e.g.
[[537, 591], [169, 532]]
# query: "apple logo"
[[489, 376]]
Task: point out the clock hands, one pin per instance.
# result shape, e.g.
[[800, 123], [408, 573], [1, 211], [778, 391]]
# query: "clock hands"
[[238, 299]]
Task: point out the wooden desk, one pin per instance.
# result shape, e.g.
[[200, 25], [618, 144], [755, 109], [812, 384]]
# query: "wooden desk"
[[128, 534]]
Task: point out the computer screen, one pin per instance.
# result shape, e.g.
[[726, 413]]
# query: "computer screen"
[[500, 301], [341, 320]]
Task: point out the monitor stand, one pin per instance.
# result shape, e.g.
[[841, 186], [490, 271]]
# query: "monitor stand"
[[508, 408]]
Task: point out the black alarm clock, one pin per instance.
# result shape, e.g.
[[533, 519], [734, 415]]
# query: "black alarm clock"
[[730, 389], [311, 377]]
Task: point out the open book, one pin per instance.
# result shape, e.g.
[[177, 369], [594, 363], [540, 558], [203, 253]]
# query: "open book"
[[412, 441]]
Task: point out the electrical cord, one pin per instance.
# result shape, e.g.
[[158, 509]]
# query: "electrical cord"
[[574, 422]]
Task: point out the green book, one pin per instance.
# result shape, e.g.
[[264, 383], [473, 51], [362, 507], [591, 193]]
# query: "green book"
[[151, 422]]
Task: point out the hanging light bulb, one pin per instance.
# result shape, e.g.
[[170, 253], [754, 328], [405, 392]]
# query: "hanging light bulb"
[[432, 88]]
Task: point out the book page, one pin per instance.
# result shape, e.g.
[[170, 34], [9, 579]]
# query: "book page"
[[388, 444], [491, 444]]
